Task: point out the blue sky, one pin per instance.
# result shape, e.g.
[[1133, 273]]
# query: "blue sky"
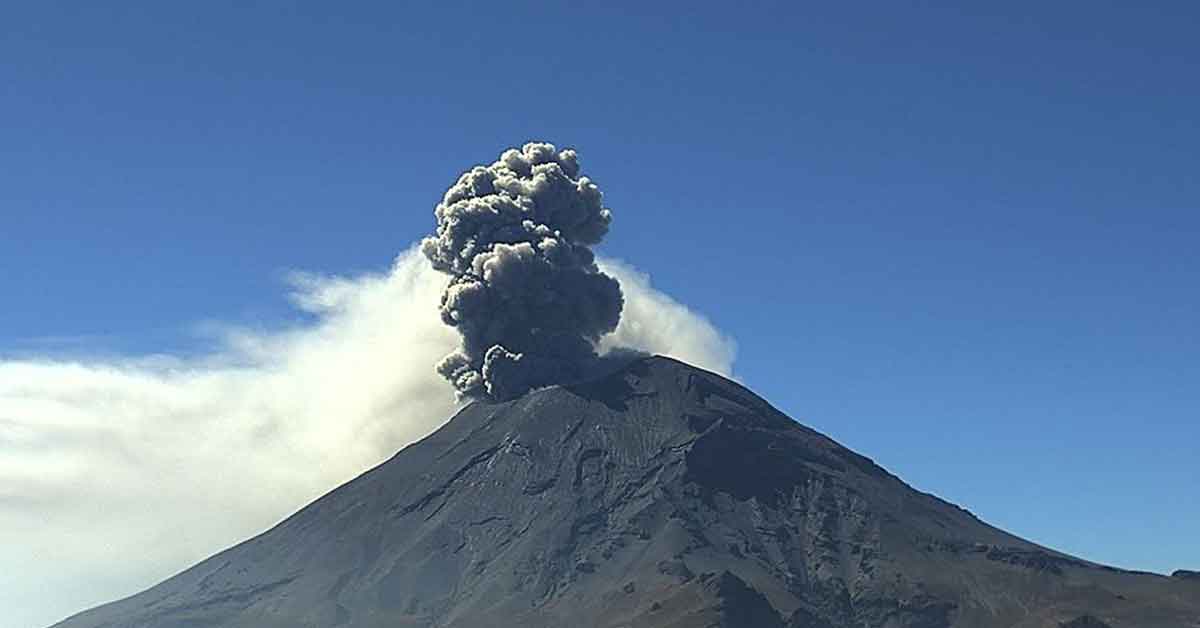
[[960, 240]]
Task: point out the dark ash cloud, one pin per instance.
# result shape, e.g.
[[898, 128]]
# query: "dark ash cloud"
[[525, 294]]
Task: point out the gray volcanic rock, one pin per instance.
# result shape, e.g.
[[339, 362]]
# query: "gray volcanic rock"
[[660, 495], [1086, 621]]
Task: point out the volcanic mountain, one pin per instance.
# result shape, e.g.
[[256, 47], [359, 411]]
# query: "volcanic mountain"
[[659, 495]]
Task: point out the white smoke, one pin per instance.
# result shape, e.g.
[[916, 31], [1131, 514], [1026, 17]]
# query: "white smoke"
[[115, 473]]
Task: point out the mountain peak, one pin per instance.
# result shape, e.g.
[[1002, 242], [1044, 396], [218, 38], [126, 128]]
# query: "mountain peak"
[[658, 494]]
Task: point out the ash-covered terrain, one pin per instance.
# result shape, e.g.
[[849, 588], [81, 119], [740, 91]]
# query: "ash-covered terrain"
[[659, 495]]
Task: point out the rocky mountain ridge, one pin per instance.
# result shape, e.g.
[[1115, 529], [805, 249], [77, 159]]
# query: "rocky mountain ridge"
[[659, 495]]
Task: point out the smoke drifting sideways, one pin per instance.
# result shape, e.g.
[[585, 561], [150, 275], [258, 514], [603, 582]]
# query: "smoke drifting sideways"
[[526, 294]]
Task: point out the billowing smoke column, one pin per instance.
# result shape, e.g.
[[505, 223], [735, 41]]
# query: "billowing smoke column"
[[526, 294]]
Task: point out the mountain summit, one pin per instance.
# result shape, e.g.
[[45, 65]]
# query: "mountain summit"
[[660, 495]]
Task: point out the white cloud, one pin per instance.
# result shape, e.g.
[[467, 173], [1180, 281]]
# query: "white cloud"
[[116, 473], [656, 323]]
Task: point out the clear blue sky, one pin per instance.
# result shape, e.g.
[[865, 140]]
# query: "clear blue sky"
[[961, 241]]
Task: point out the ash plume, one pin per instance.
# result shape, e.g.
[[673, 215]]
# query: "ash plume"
[[525, 294]]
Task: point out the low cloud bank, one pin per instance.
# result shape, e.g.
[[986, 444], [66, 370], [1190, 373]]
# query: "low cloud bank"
[[115, 473]]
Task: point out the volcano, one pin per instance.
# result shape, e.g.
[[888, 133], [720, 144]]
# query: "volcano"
[[659, 495]]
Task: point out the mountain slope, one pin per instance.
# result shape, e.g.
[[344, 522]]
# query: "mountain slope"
[[660, 495]]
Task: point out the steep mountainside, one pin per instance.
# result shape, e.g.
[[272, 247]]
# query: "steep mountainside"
[[658, 496]]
